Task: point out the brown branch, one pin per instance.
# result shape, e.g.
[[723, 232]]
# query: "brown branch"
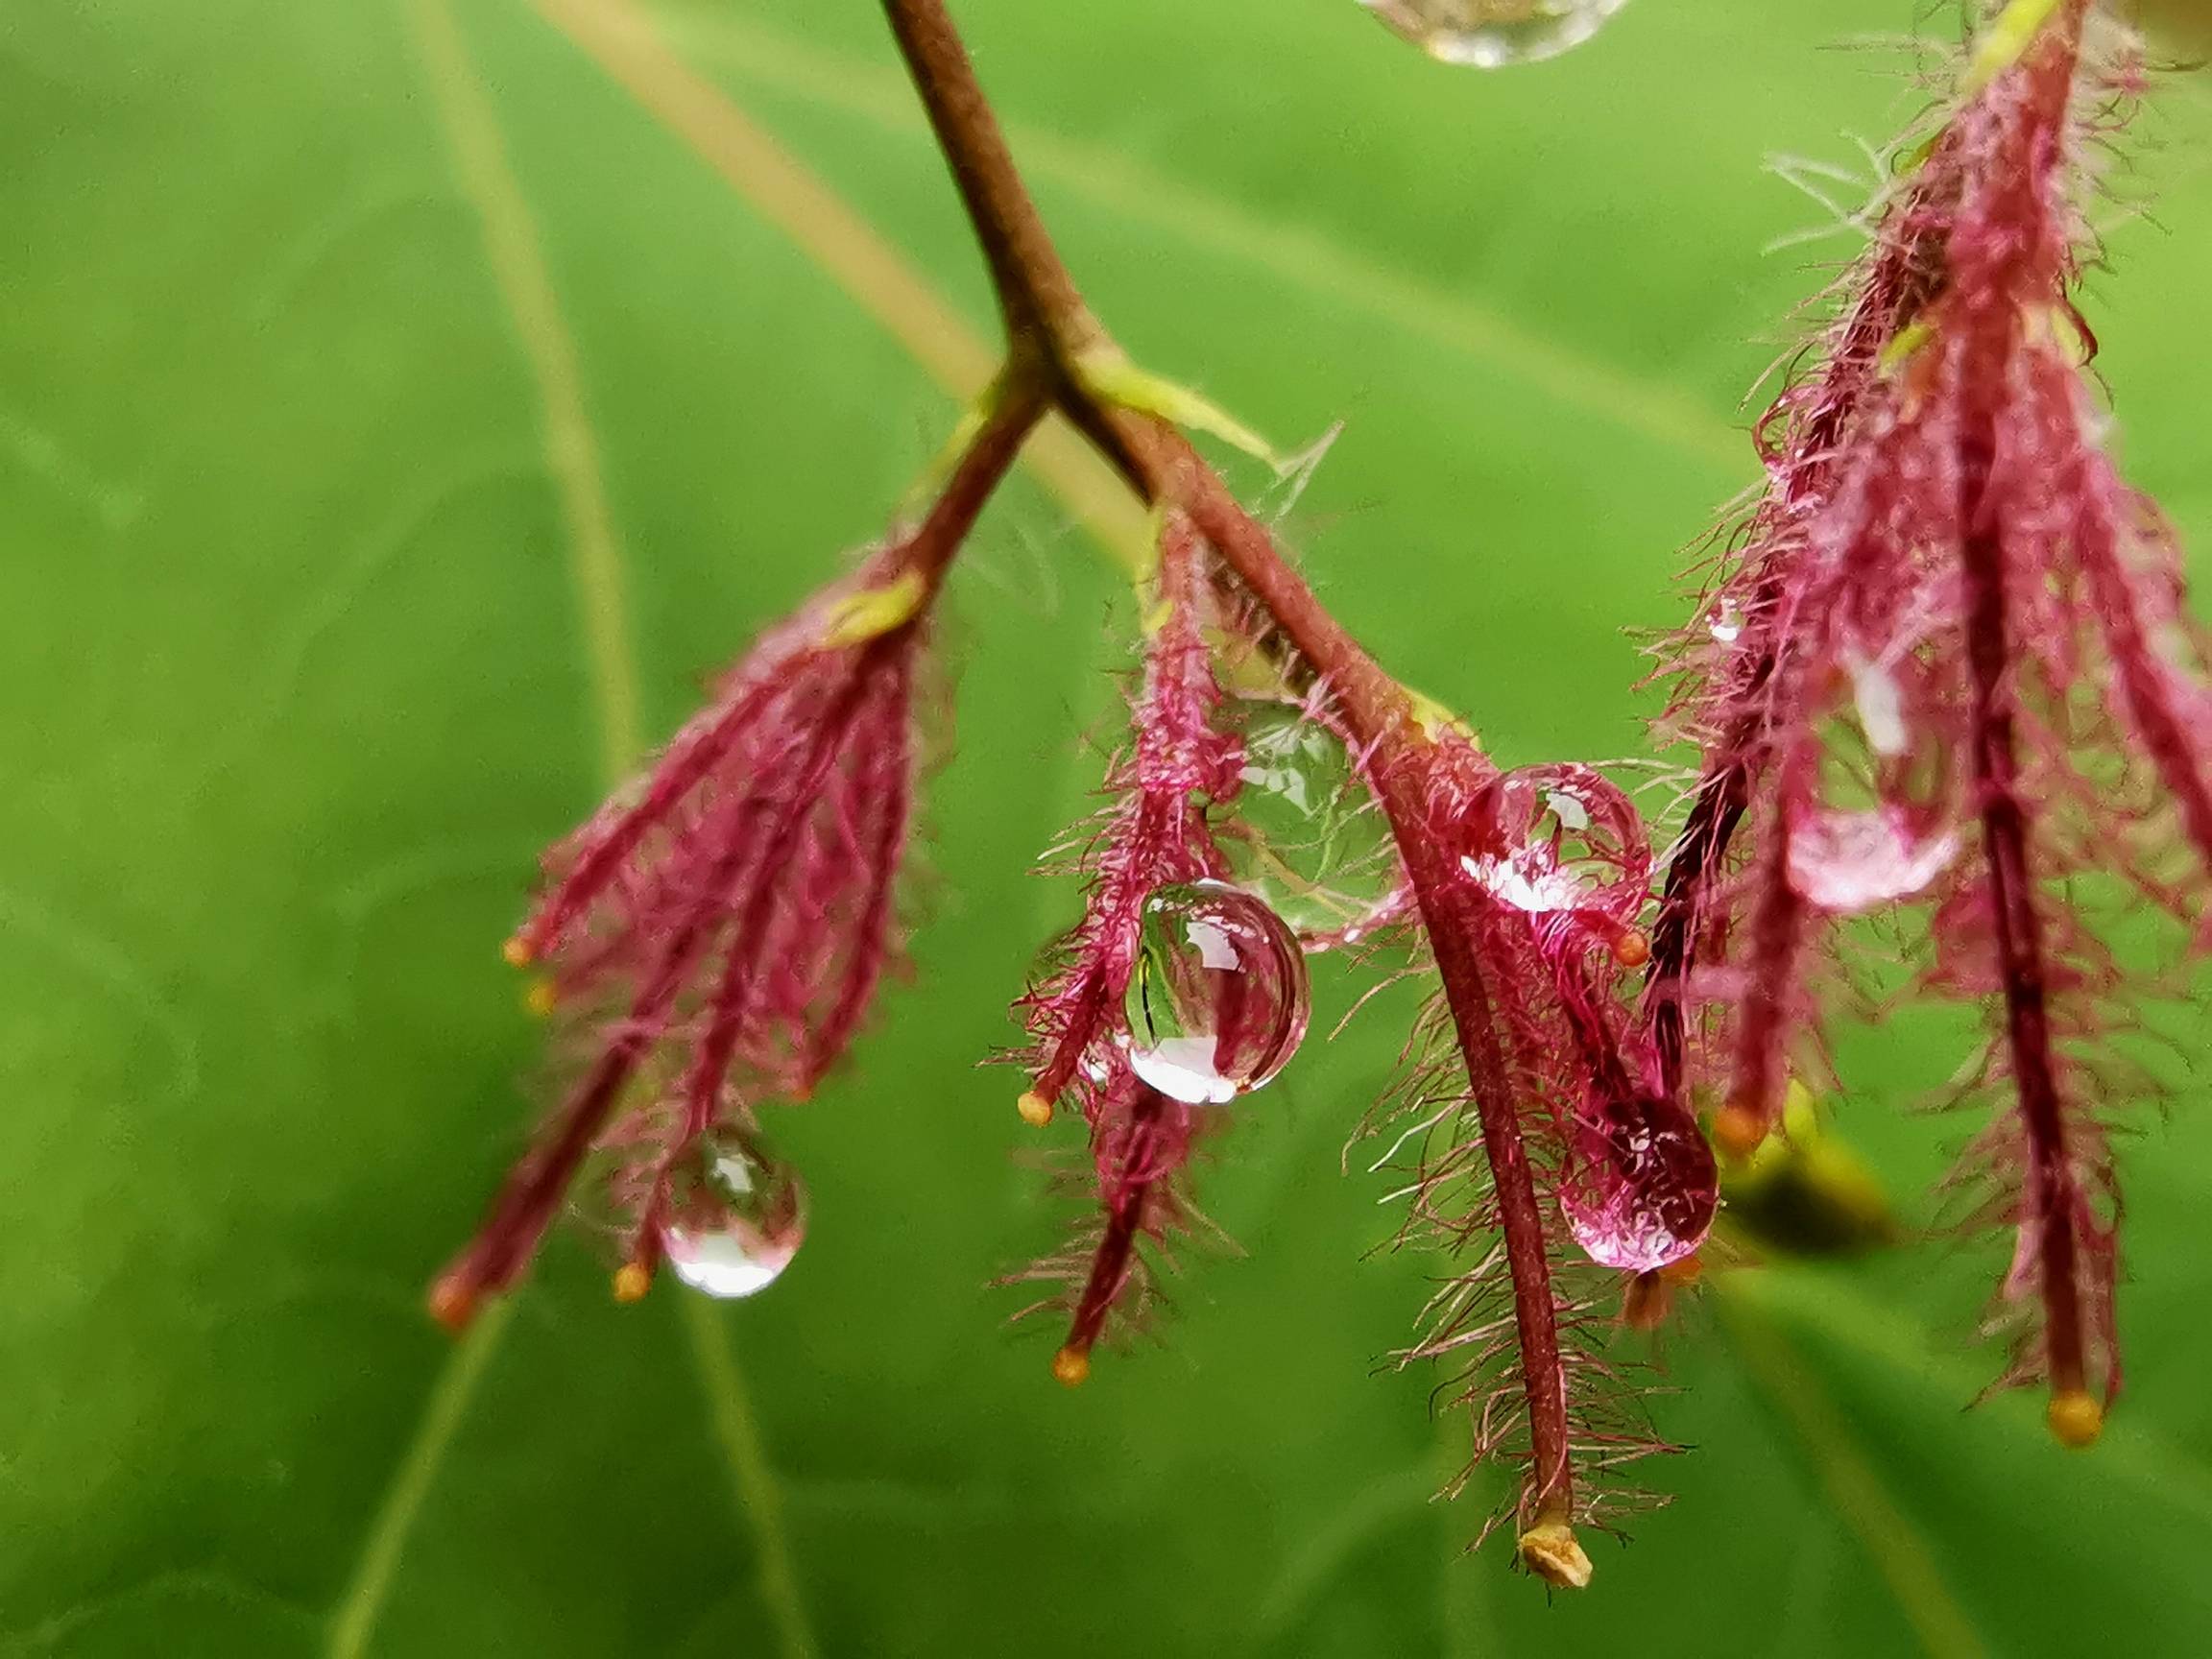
[[1036, 296]]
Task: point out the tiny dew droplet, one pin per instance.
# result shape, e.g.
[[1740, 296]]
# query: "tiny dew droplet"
[[1641, 1187], [1302, 834], [1559, 838], [735, 1216], [1885, 822], [1216, 1001], [1726, 624], [1494, 33]]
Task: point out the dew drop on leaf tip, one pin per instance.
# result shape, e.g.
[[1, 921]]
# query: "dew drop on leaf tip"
[[736, 1217], [1217, 1000], [1494, 33], [1641, 1188]]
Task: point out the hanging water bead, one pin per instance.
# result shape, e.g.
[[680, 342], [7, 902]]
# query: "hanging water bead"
[[735, 1217], [1886, 823], [1216, 1001], [1641, 1187], [1302, 834], [1559, 839], [1493, 33]]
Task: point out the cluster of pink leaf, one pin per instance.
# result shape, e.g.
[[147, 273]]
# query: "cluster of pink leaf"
[[1154, 833], [1949, 664], [713, 937]]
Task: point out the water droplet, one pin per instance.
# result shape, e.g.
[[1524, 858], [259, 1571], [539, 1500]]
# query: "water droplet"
[[735, 1217], [1847, 862], [1492, 34], [1641, 1187], [1560, 838], [1216, 1001], [1726, 623], [1885, 822], [1302, 834], [1880, 702]]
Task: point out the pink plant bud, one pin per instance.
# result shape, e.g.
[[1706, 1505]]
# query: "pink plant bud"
[[713, 936]]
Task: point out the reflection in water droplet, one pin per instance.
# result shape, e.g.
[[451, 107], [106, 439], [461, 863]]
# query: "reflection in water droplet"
[[1303, 834], [1216, 1002], [1726, 624], [1884, 824], [735, 1217], [1561, 838], [1846, 863], [1493, 33], [1880, 702], [1641, 1187]]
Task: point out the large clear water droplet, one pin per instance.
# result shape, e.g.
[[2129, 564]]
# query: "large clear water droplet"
[[736, 1216], [1303, 834], [1559, 838], [1216, 1002], [1493, 33], [1887, 820], [1641, 1187]]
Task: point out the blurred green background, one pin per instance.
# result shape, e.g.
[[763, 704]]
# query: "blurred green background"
[[388, 392]]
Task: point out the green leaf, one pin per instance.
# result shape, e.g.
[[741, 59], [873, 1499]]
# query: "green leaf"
[[402, 405]]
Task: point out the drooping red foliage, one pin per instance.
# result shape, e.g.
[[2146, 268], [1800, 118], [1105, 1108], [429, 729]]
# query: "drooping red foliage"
[[1153, 834], [1955, 668], [713, 935]]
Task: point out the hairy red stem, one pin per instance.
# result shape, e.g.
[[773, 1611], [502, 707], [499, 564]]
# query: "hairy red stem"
[[1047, 321]]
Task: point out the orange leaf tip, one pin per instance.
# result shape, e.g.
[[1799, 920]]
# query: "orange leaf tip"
[[1071, 1365], [2076, 1418], [1036, 1111], [631, 1279], [1738, 1130], [452, 1303], [1551, 1551]]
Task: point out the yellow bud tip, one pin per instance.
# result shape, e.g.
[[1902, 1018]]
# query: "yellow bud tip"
[[2076, 1418], [1633, 949], [1551, 1551], [540, 997], [1071, 1365], [452, 1304], [1739, 1131], [631, 1279], [1036, 1111], [515, 953]]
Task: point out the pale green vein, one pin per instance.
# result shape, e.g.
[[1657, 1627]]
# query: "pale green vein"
[[1307, 1571], [511, 247], [841, 243], [752, 1478], [1894, 1545], [525, 287], [1298, 255], [354, 1619], [2130, 1448]]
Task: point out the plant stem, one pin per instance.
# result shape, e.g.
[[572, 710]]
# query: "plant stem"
[[1036, 296], [1050, 326]]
